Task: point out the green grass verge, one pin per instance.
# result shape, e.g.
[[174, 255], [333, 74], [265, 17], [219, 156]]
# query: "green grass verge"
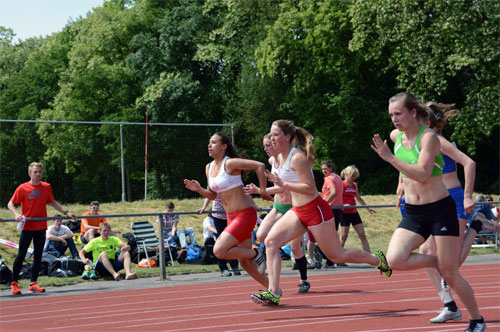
[[378, 227]]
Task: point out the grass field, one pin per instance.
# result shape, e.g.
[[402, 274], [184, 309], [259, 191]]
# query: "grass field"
[[379, 227]]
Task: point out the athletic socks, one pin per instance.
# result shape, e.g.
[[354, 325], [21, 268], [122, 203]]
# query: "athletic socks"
[[445, 296], [452, 306], [302, 266], [479, 321]]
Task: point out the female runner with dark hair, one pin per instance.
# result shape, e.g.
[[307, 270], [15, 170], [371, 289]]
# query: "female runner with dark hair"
[[224, 178]]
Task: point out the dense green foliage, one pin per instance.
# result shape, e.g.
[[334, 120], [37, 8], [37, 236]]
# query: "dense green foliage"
[[328, 65]]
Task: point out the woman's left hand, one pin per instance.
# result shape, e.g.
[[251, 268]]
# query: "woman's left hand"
[[265, 195], [469, 205], [274, 178]]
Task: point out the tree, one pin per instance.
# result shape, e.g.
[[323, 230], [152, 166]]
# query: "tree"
[[330, 87], [442, 50]]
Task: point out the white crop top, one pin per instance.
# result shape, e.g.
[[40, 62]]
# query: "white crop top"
[[223, 181], [285, 172], [274, 168]]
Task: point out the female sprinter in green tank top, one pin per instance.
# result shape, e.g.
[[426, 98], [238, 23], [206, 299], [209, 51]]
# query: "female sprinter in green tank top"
[[282, 203], [429, 209]]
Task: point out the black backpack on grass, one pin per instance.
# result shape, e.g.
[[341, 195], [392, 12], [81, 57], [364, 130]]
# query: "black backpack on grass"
[[207, 256], [133, 246], [5, 272]]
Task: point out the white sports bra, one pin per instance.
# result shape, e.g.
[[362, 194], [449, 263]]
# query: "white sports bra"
[[223, 181], [285, 172], [274, 168]]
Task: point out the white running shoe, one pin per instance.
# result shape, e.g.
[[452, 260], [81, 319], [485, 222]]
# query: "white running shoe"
[[446, 314], [260, 260], [476, 327]]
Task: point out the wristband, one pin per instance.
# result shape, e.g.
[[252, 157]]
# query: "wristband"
[[66, 212]]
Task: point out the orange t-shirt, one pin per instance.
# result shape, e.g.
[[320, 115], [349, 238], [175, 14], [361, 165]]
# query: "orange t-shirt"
[[33, 200], [333, 180], [91, 221]]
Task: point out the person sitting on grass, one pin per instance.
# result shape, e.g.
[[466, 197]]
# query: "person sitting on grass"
[[89, 227], [59, 238], [171, 231], [104, 257]]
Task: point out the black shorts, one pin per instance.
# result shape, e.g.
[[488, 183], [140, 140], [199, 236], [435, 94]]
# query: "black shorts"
[[438, 218], [337, 213], [350, 219], [116, 263]]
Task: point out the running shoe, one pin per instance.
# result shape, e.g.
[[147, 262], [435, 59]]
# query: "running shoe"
[[93, 274], [266, 297], [34, 288], [303, 286], [260, 260], [445, 315], [236, 271], [226, 273], [477, 327], [444, 285], [326, 266], [15, 288], [86, 274], [383, 267], [318, 257]]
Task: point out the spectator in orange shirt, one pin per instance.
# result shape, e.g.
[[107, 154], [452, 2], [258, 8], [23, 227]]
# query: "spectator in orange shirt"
[[89, 228], [332, 192]]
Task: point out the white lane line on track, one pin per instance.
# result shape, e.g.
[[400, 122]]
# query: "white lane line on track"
[[154, 321], [176, 294], [175, 300], [432, 328], [290, 322], [175, 306]]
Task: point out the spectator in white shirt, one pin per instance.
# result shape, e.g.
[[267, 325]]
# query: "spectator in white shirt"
[[58, 239]]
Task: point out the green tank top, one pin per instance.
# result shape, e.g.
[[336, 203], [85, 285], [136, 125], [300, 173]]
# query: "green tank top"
[[411, 156]]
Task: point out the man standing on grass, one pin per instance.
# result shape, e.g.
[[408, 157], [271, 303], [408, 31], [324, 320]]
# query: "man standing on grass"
[[33, 197]]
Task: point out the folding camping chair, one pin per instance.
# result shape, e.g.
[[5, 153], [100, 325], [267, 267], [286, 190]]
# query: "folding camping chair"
[[145, 237]]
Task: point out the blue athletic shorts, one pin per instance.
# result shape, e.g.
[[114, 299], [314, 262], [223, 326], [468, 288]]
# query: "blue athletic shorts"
[[457, 194]]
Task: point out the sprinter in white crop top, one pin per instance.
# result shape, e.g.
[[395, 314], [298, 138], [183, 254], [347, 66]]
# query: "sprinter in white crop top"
[[224, 177], [282, 203], [309, 210], [223, 181], [285, 172]]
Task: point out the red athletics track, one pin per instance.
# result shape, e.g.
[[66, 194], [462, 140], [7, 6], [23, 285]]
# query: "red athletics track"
[[361, 301]]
